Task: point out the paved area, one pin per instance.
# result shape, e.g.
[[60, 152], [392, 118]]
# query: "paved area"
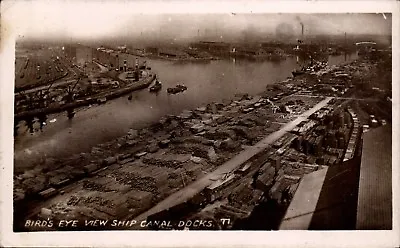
[[194, 188]]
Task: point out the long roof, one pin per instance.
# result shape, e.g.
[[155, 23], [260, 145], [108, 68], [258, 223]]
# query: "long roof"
[[366, 43], [375, 187], [347, 196]]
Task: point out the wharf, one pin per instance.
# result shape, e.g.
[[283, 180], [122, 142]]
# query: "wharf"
[[144, 83]]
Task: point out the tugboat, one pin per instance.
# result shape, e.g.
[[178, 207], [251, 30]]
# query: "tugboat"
[[156, 87], [177, 89], [181, 87]]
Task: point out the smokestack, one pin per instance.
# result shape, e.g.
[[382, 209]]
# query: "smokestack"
[[302, 30]]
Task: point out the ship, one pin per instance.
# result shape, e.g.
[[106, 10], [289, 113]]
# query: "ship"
[[312, 66]]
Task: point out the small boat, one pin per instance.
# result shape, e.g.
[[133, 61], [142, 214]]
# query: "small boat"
[[101, 100], [70, 114], [297, 72], [156, 87], [181, 87], [177, 89]]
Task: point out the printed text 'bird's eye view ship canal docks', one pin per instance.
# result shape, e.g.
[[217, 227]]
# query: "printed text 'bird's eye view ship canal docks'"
[[207, 135]]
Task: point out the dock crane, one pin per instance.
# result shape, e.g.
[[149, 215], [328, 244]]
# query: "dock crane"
[[33, 101], [70, 94], [70, 97], [43, 103]]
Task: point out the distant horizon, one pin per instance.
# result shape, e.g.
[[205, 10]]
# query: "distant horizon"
[[88, 21], [133, 41]]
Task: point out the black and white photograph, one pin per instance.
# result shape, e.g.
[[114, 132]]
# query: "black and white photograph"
[[143, 121]]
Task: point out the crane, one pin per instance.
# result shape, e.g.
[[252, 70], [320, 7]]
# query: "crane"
[[70, 90]]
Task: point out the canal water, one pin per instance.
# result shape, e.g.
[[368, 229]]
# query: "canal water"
[[206, 82]]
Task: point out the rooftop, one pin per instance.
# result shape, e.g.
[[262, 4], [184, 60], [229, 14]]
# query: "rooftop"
[[375, 187]]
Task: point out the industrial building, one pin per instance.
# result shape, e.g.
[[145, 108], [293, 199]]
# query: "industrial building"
[[213, 47], [118, 60], [79, 54]]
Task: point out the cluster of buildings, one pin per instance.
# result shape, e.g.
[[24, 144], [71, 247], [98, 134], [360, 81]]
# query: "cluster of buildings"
[[272, 49], [169, 53], [118, 59], [121, 61], [223, 49], [210, 49]]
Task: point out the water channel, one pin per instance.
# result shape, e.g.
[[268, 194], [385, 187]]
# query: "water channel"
[[206, 82]]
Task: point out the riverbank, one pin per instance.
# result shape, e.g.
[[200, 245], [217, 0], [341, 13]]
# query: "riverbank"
[[190, 59]]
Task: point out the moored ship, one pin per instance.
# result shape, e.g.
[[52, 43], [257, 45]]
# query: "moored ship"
[[101, 96]]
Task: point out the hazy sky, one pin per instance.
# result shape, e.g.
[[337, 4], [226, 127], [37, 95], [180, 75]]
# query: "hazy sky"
[[83, 20]]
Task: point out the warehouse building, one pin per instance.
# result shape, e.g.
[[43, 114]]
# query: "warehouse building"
[[374, 209]]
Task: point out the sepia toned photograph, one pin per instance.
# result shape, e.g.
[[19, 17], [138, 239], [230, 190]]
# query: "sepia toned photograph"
[[130, 121]]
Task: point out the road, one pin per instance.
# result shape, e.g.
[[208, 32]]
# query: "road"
[[197, 186], [340, 98]]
